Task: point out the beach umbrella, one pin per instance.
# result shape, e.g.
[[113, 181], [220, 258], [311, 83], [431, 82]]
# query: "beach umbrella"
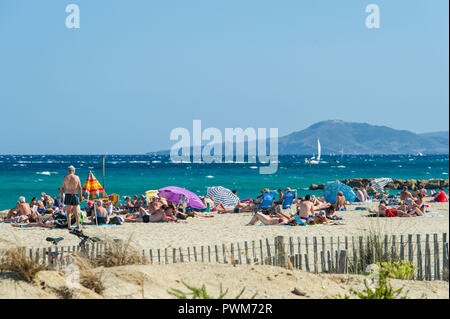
[[92, 190], [331, 189], [380, 183], [176, 194], [222, 195], [151, 194]]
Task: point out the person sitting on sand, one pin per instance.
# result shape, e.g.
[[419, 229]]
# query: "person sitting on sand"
[[408, 209], [420, 203], [340, 201], [405, 194], [21, 211], [362, 187], [359, 195], [415, 192], [47, 199], [305, 209], [440, 196], [371, 191], [241, 206], [107, 204], [100, 215], [330, 213], [423, 191]]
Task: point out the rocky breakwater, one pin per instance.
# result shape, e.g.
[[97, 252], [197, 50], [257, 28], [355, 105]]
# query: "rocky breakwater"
[[395, 184]]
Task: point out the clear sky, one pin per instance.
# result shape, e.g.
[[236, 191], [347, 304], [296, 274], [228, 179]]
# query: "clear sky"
[[137, 69]]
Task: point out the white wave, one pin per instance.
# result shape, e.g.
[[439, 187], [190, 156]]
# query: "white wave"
[[209, 176], [340, 166], [444, 173], [253, 167], [156, 161], [44, 173]]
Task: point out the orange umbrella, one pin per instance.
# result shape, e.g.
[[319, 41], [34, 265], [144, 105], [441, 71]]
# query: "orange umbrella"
[[92, 190]]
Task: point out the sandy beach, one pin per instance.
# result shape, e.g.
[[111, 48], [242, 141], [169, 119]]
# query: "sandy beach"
[[230, 228]]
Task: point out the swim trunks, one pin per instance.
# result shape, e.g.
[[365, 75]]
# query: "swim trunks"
[[71, 199]]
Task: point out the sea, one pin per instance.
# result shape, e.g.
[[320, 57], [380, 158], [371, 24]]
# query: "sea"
[[29, 175]]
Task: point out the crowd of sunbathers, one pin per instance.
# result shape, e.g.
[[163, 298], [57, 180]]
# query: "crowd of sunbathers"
[[408, 204], [287, 210]]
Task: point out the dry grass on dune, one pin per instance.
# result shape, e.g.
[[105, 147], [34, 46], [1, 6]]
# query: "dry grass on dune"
[[119, 253], [15, 260]]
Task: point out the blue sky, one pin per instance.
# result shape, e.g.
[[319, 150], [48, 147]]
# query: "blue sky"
[[137, 69]]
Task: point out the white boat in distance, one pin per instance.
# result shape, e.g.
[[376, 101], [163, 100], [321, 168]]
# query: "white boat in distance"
[[314, 160]]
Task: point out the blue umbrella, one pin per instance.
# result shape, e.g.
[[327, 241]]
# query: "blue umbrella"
[[331, 189]]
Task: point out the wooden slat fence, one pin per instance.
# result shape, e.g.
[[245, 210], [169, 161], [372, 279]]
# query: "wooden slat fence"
[[428, 253]]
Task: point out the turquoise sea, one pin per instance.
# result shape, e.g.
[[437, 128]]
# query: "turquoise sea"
[[134, 174]]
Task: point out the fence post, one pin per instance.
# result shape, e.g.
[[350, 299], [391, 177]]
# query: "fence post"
[[209, 253], [402, 248], [299, 253], [444, 257], [224, 255], [269, 256], [342, 263], [247, 259], [291, 247], [217, 253], [419, 259], [202, 252], [261, 251], [437, 268], [239, 254], [316, 270], [427, 257], [280, 251], [174, 254]]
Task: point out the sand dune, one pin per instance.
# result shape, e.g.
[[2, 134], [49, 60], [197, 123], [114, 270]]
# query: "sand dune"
[[264, 281]]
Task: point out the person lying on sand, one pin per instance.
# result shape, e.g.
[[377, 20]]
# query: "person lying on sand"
[[277, 219], [319, 203]]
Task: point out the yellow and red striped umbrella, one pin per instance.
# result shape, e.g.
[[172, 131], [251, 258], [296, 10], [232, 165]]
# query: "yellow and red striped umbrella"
[[92, 190]]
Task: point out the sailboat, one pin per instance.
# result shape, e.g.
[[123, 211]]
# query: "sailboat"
[[314, 160]]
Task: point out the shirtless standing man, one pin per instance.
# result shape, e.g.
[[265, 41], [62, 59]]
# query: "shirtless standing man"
[[71, 187]]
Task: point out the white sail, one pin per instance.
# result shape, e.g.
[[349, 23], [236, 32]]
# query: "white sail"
[[318, 150]]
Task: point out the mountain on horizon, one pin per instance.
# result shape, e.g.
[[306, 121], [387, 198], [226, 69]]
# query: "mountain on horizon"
[[358, 138]]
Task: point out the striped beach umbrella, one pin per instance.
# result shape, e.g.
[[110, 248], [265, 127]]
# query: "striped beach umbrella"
[[222, 195], [92, 190], [380, 183], [151, 194]]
